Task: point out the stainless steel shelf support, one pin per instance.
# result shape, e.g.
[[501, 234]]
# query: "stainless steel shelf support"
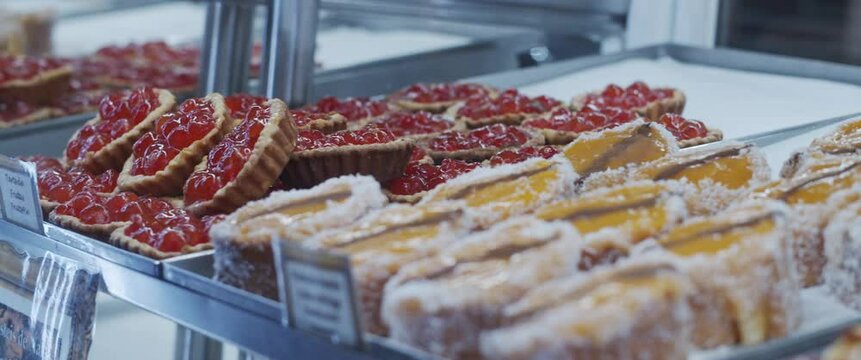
[[288, 65], [227, 51]]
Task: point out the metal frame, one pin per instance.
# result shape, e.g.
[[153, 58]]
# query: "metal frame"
[[181, 289]]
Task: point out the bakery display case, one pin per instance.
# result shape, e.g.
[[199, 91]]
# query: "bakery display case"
[[702, 199]]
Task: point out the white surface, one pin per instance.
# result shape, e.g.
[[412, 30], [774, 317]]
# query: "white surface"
[[737, 102], [346, 46]]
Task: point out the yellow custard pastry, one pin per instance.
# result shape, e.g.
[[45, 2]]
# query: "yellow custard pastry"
[[636, 310], [641, 208], [504, 191], [633, 143], [441, 304], [243, 252], [748, 290], [380, 243]]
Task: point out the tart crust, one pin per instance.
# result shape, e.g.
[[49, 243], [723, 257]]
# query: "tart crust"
[[382, 161], [169, 181], [271, 153], [331, 123], [99, 231], [437, 106], [712, 135], [119, 239], [652, 111], [508, 119], [114, 154], [407, 199], [40, 89], [41, 114], [481, 154]]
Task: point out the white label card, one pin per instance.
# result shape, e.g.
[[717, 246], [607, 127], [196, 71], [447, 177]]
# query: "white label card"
[[318, 294], [19, 194]]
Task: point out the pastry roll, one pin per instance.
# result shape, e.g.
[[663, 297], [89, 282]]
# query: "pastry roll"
[[504, 191], [739, 259], [243, 250], [385, 240], [442, 303], [633, 311]]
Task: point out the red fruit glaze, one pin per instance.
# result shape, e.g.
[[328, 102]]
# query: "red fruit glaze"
[[634, 96], [15, 110], [420, 177], [238, 104], [404, 123], [508, 102], [118, 113], [418, 154], [92, 208], [227, 159], [353, 109], [681, 128], [155, 52], [169, 230], [58, 185], [522, 154], [497, 135], [313, 139], [172, 133], [43, 162], [432, 93], [25, 68], [588, 119], [302, 117]]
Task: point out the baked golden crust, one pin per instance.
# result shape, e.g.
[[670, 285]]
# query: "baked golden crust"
[[271, 153], [42, 89], [169, 181], [653, 110], [383, 161], [331, 123], [99, 231], [407, 199], [119, 239], [114, 154], [41, 114], [712, 135], [481, 154]]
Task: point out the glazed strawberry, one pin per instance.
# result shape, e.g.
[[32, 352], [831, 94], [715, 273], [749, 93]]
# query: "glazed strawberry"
[[522, 154], [227, 159], [43, 162], [681, 128], [58, 185], [634, 96], [303, 117], [431, 93], [313, 139], [118, 113], [14, 68], [91, 208], [354, 109], [170, 230], [405, 123], [156, 52], [176, 79], [497, 135], [238, 104], [508, 102], [420, 177], [587, 119], [172, 133]]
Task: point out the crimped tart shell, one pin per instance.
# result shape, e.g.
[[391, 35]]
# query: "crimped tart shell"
[[331, 123], [271, 153], [481, 154], [712, 135], [115, 153], [169, 181], [41, 89], [407, 199], [119, 239], [384, 162], [653, 110], [41, 114], [99, 231]]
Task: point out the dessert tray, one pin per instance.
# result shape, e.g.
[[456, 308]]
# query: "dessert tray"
[[480, 221]]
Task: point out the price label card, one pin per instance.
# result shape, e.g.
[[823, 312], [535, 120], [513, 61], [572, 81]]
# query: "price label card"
[[318, 293], [47, 306], [19, 194]]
